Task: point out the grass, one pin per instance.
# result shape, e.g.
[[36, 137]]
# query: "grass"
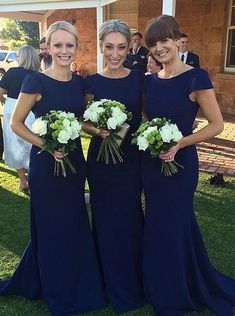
[[214, 210]]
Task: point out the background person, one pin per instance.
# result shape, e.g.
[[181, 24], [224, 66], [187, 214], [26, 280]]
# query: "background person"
[[17, 150], [45, 57], [137, 55], [153, 65], [59, 263], [178, 275], [185, 55], [115, 189]]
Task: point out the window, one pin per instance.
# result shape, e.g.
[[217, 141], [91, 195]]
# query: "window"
[[230, 45]]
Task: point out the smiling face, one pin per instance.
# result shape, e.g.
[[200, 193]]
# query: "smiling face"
[[183, 44], [62, 47], [115, 49], [165, 50]]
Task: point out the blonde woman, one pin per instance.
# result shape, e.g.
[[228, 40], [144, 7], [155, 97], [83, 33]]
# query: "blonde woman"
[[59, 263]]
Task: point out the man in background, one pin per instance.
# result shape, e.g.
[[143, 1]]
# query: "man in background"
[[44, 55], [185, 55], [137, 56]]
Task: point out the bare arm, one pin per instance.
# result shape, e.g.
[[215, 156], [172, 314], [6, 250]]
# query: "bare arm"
[[23, 106], [209, 105], [2, 92], [88, 127]]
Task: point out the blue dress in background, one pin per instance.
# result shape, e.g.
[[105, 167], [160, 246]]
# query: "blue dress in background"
[[59, 263], [178, 276], [115, 192]]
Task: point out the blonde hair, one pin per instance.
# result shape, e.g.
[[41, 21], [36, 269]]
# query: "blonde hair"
[[61, 25], [28, 58]]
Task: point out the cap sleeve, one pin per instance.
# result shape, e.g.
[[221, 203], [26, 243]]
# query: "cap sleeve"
[[32, 83], [200, 80], [89, 85]]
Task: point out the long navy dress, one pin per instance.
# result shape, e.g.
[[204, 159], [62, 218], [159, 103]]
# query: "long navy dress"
[[178, 276], [59, 263], [115, 192]]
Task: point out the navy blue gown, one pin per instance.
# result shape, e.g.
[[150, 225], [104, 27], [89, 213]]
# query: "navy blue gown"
[[59, 264], [178, 276], [115, 191]]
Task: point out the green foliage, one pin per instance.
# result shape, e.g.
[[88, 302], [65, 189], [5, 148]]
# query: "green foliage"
[[215, 213], [17, 33]]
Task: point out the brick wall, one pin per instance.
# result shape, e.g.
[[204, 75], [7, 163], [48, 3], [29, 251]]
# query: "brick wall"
[[205, 22], [85, 21]]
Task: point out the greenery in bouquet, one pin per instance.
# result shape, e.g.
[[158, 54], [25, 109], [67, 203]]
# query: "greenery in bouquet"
[[108, 115], [59, 131], [158, 135]]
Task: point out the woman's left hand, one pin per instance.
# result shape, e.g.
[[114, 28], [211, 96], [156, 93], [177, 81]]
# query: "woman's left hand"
[[169, 155]]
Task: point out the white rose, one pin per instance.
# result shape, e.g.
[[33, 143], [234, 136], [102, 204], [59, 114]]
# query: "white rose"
[[62, 115], [66, 122], [149, 130], [112, 123], [176, 134], [39, 127], [75, 125], [142, 142], [74, 133], [63, 137], [120, 116], [71, 115], [165, 133]]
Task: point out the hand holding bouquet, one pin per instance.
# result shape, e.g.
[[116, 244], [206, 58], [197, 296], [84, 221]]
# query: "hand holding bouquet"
[[59, 130], [109, 115], [158, 135]]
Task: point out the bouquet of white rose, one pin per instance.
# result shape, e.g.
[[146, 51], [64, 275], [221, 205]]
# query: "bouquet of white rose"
[[109, 115], [59, 130], [156, 136]]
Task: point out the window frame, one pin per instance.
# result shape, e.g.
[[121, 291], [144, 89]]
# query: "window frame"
[[229, 28]]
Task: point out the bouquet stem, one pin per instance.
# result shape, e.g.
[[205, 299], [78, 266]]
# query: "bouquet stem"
[[110, 148], [169, 168]]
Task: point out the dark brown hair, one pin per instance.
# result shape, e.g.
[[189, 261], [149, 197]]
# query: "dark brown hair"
[[159, 28], [156, 61]]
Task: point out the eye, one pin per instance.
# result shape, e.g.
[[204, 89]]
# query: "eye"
[[164, 40], [108, 46], [122, 47], [58, 45], [70, 45]]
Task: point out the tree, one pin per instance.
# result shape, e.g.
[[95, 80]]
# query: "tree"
[[17, 33]]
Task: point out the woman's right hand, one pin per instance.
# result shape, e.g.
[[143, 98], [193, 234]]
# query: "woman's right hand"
[[57, 154], [102, 133]]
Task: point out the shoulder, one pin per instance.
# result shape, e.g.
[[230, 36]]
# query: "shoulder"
[[136, 74], [144, 50], [193, 54]]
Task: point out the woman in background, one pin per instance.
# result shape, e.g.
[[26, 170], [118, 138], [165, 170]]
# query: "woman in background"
[[17, 150]]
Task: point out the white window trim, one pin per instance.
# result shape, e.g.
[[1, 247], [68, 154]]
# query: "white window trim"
[[230, 27]]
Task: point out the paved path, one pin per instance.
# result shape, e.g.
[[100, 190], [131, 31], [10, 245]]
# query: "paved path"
[[218, 154]]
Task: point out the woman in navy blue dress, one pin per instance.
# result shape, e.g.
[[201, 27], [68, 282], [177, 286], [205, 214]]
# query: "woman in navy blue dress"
[[115, 189], [178, 276], [59, 264]]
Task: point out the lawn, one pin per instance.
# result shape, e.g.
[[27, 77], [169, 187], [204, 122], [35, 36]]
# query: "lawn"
[[214, 210]]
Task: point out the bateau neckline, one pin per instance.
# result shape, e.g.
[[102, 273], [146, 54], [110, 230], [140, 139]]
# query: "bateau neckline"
[[114, 78], [63, 81], [179, 75]]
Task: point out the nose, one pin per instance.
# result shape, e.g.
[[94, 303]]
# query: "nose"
[[115, 52]]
